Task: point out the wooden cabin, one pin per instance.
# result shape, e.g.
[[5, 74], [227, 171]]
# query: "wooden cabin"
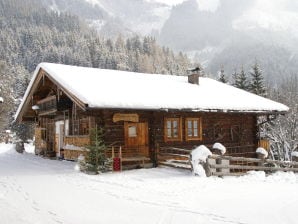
[[139, 112]]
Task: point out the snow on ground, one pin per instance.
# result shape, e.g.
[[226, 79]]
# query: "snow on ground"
[[36, 190]]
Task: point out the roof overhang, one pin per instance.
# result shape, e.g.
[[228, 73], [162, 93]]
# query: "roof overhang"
[[70, 79], [38, 75]]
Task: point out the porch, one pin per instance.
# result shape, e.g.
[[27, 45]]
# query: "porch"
[[125, 157]]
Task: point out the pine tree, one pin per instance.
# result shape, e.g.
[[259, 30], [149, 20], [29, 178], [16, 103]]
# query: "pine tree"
[[240, 80], [257, 81], [243, 82], [95, 159], [6, 92], [222, 76], [235, 77]]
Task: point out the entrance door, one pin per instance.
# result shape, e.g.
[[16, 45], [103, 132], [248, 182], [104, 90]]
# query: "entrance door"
[[59, 137], [136, 138]]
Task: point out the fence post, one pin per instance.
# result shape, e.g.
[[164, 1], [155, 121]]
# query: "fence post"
[[262, 158], [113, 152], [120, 156], [219, 162], [207, 168], [156, 154]]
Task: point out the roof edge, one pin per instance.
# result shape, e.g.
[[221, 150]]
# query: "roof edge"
[[30, 89]]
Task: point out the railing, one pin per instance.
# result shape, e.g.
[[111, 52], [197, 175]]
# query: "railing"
[[173, 157], [79, 140], [218, 165], [125, 152], [118, 155], [47, 104], [230, 166]]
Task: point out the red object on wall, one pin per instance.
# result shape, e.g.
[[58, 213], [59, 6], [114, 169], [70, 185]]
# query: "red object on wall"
[[116, 164]]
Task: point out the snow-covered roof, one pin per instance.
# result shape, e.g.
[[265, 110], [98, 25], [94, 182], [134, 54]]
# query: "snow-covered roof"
[[102, 88]]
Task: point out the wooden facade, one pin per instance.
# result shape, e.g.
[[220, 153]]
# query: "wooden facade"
[[64, 124], [238, 132]]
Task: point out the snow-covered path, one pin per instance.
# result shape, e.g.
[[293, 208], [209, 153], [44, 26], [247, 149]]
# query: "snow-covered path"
[[36, 190]]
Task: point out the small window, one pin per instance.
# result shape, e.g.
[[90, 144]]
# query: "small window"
[[193, 129], [173, 129], [132, 131]]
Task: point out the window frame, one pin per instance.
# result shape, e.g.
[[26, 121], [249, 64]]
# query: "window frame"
[[179, 129], [199, 129]]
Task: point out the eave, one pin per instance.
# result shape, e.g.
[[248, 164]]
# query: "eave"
[[39, 74]]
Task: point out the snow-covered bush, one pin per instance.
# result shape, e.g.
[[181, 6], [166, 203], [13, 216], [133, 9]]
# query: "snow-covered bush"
[[295, 154], [81, 166], [198, 158], [263, 152], [219, 147]]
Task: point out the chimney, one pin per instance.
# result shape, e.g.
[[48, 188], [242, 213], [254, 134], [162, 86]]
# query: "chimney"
[[193, 78]]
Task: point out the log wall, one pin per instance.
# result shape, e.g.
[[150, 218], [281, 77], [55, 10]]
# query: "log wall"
[[74, 154], [40, 143], [79, 141], [238, 132]]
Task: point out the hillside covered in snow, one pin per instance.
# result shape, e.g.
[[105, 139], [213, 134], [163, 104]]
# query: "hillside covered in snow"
[[229, 33]]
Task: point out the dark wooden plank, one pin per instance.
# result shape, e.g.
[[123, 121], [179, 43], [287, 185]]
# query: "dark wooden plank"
[[173, 165]]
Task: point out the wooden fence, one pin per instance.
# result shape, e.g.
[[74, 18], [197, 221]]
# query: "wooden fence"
[[218, 165], [173, 157]]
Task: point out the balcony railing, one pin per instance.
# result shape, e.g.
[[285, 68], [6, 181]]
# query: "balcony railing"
[[47, 105]]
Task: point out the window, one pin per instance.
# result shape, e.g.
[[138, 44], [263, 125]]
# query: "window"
[[193, 129], [132, 131], [173, 129], [80, 126]]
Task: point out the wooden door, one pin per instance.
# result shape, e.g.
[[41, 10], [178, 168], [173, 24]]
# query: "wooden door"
[[61, 138], [59, 134], [136, 138]]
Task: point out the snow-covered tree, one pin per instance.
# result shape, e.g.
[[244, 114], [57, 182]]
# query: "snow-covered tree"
[[257, 81], [6, 93], [95, 159], [222, 76], [283, 131], [240, 80]]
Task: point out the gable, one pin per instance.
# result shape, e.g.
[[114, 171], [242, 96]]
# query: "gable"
[[41, 87]]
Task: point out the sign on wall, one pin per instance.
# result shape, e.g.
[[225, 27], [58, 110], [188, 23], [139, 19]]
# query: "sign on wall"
[[125, 117]]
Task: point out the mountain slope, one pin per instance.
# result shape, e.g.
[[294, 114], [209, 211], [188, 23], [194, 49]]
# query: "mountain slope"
[[236, 34], [216, 33], [31, 35], [111, 17]]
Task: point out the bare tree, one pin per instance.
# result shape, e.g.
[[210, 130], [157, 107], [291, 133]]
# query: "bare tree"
[[283, 132]]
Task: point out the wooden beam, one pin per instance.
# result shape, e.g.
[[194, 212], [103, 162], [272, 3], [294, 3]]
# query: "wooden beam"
[[243, 159], [174, 165], [241, 167]]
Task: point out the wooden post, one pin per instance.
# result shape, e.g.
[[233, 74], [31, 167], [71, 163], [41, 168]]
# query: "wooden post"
[[295, 159], [207, 168], [156, 154], [262, 157], [113, 152], [219, 162], [120, 157]]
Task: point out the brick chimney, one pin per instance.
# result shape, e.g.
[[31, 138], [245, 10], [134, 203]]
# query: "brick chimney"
[[194, 77]]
